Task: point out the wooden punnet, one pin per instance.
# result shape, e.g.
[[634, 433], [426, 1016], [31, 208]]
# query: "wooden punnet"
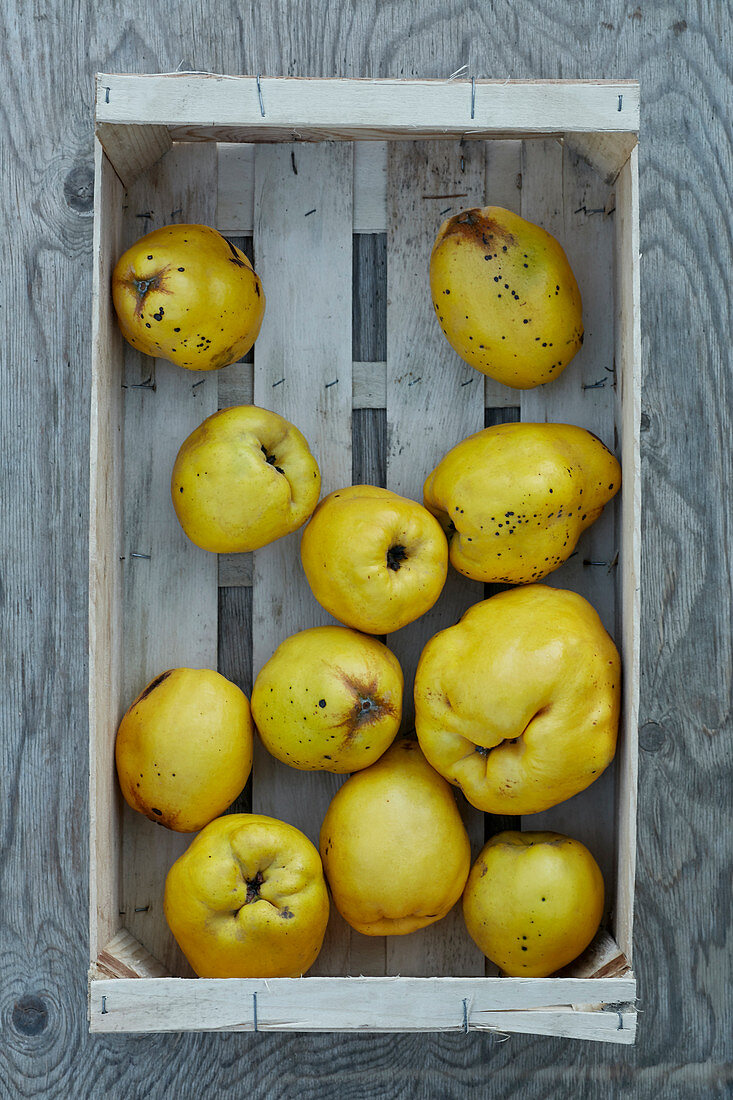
[[332, 177]]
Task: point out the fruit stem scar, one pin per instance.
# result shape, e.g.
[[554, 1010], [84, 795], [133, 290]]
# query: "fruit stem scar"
[[142, 286], [271, 460], [395, 556], [253, 887]]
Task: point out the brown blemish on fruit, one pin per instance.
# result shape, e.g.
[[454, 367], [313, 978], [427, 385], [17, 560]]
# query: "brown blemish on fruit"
[[475, 227], [367, 709], [142, 287]]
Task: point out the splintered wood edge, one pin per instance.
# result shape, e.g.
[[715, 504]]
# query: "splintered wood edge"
[[125, 957], [603, 958]]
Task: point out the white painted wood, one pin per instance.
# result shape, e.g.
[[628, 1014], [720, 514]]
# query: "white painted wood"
[[503, 188], [628, 363], [434, 400], [105, 569], [223, 107], [235, 197], [563, 194], [303, 252], [132, 149], [540, 1005], [170, 593]]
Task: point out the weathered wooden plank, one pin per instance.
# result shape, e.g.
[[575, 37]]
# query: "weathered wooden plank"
[[434, 400], [369, 317], [235, 196], [366, 1004], [235, 193], [370, 187], [628, 366], [303, 235], [170, 585], [273, 108], [105, 569]]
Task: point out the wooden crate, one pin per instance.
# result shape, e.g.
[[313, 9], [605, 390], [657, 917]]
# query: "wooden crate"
[[336, 180]]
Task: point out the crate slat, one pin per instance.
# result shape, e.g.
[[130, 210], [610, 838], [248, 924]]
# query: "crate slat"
[[105, 567], [235, 196], [240, 108], [628, 365], [303, 254], [170, 593], [433, 401], [531, 1005], [565, 196]]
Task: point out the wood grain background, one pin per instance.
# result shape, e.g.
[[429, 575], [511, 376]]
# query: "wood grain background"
[[681, 52]]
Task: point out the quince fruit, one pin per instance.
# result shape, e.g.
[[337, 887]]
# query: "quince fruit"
[[518, 704], [533, 902], [186, 294], [394, 848], [247, 899], [329, 699], [505, 296], [375, 560], [184, 748], [513, 499], [242, 479]]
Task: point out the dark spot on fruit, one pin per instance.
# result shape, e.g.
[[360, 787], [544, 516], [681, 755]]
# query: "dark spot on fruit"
[[157, 812], [321, 703]]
